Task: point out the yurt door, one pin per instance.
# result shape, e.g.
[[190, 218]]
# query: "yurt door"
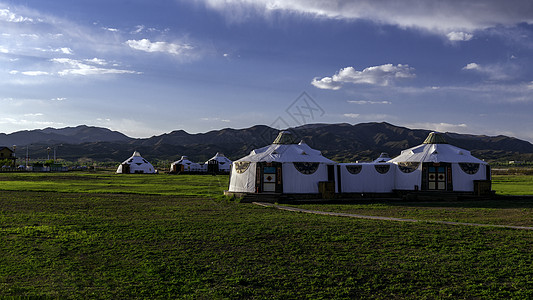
[[436, 177], [271, 178]]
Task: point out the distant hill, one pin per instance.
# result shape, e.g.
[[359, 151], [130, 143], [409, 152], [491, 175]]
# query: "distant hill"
[[341, 142], [69, 135]]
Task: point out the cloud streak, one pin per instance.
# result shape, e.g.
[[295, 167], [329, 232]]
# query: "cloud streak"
[[493, 72], [455, 19], [78, 67], [363, 102], [170, 48]]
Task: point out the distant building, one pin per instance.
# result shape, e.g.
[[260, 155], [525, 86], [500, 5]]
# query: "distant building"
[[218, 164], [136, 165], [184, 165]]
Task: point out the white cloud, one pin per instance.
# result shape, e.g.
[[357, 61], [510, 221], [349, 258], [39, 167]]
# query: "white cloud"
[[493, 72], [110, 29], [59, 99], [369, 117], [78, 67], [63, 50], [216, 119], [440, 127], [4, 50], [28, 124], [34, 73], [97, 61], [437, 16], [456, 36], [34, 115], [353, 116], [8, 16], [471, 66], [382, 75], [362, 102], [170, 48], [138, 29], [326, 83]]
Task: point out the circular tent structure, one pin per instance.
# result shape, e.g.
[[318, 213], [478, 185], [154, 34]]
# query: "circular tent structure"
[[136, 165], [436, 165], [285, 166], [184, 165], [218, 164]]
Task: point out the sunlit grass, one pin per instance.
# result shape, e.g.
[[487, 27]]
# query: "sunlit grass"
[[513, 184], [107, 182]]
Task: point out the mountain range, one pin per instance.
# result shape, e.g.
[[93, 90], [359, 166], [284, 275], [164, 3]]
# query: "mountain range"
[[341, 142]]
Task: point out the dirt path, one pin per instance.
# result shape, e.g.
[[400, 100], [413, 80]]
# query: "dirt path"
[[317, 212]]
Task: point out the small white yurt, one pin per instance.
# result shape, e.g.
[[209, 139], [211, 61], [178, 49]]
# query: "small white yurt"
[[136, 165], [283, 167], [184, 165], [436, 165], [218, 164]]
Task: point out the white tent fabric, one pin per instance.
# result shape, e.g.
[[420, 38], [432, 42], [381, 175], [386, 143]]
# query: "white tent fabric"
[[243, 182], [188, 166], [136, 164], [224, 163], [367, 177], [287, 153]]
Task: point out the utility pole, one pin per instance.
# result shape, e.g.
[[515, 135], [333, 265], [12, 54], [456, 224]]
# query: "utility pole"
[[15, 156]]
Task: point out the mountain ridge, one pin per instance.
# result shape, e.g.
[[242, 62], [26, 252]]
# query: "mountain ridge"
[[341, 141]]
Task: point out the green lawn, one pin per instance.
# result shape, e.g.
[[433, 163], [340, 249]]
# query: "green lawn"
[[108, 182], [162, 241], [513, 184]]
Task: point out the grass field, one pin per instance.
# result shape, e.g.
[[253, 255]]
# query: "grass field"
[[512, 184], [108, 182], [101, 235]]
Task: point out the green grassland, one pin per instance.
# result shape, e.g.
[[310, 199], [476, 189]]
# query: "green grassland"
[[100, 235], [512, 184], [108, 182]]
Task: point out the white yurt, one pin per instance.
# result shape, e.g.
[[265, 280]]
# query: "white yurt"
[[136, 164], [436, 165], [283, 167], [184, 165], [218, 164]]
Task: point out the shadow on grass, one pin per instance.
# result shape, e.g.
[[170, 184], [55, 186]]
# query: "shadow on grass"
[[501, 202]]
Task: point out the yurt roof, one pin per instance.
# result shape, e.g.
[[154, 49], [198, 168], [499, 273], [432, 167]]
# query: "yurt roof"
[[220, 157], [436, 149], [435, 138], [285, 137], [286, 153], [184, 160], [135, 158]]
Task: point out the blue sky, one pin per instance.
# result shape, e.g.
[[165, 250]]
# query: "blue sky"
[[149, 67]]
